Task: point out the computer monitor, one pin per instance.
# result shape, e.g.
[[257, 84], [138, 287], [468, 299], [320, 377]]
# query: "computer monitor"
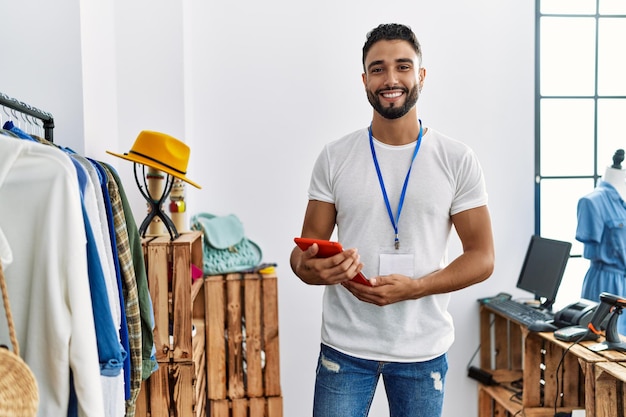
[[543, 268]]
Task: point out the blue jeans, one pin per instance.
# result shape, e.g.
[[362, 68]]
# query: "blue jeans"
[[345, 386]]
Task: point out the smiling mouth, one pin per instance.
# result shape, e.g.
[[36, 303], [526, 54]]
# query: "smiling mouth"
[[394, 94]]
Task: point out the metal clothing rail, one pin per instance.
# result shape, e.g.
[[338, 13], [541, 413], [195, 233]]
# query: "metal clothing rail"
[[45, 117]]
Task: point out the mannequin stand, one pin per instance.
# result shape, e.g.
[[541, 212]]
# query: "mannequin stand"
[[177, 206], [155, 207]]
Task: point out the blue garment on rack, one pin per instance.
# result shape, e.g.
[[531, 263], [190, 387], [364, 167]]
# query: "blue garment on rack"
[[602, 229], [16, 130], [110, 351], [124, 325]]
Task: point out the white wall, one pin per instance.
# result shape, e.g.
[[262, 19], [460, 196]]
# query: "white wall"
[[40, 62], [256, 89]]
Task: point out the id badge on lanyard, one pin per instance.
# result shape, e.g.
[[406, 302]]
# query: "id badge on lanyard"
[[396, 259]]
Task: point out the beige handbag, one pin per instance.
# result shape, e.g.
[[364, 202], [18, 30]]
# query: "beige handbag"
[[19, 395]]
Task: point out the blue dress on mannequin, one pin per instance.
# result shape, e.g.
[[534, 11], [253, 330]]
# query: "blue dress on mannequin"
[[602, 229]]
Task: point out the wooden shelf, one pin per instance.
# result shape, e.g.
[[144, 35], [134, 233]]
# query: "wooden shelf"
[[503, 399], [550, 369]]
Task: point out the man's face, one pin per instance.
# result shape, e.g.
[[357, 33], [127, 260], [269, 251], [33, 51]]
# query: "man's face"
[[393, 78]]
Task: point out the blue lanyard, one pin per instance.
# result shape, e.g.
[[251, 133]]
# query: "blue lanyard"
[[396, 220]]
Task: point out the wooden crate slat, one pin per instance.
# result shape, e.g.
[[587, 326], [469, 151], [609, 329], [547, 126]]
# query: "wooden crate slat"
[[275, 406], [216, 344], [258, 407], [159, 392], [239, 407], [200, 368], [590, 384], [501, 344], [200, 406], [246, 407], [252, 310], [142, 407], [572, 381], [270, 336], [199, 341], [157, 269], [545, 411], [197, 295], [182, 306], [219, 408], [532, 371], [485, 403], [485, 338], [516, 347], [552, 358], [234, 336], [182, 378], [498, 409]]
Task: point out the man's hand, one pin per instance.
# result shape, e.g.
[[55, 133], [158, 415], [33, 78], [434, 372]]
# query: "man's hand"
[[385, 290], [325, 271]]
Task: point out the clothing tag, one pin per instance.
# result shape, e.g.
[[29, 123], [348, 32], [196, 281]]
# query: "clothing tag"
[[397, 263]]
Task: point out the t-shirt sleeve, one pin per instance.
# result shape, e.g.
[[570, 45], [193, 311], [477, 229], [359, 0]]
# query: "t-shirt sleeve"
[[320, 187], [471, 191]]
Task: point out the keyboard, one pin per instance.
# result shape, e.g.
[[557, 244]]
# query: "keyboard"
[[518, 312]]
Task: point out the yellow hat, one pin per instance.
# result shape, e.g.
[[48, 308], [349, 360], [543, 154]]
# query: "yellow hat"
[[160, 151]]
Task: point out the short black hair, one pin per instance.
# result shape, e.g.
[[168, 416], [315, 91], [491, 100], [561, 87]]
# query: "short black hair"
[[392, 31]]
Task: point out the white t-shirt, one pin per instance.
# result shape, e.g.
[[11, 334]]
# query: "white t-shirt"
[[446, 178]]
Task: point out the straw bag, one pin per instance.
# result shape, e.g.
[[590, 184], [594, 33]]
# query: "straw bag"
[[19, 395]]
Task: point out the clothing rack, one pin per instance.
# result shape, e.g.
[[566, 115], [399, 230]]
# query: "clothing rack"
[[45, 117]]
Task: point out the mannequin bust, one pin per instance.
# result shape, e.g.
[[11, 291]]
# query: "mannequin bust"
[[615, 175]]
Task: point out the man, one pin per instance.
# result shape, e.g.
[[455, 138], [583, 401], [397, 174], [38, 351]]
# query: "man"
[[394, 190]]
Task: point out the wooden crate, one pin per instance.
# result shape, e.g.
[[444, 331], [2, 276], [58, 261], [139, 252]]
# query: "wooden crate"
[[501, 347], [173, 390], [610, 389], [176, 299], [587, 379], [562, 369], [242, 337], [178, 387]]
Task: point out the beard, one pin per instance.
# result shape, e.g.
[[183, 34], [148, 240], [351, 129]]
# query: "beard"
[[393, 111]]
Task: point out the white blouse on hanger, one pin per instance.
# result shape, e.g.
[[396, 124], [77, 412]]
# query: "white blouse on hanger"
[[42, 221]]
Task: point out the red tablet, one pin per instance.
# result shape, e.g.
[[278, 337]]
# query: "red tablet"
[[328, 248]]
